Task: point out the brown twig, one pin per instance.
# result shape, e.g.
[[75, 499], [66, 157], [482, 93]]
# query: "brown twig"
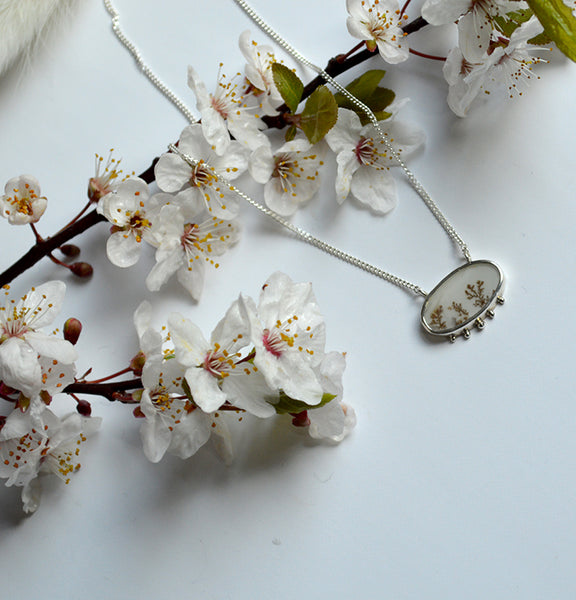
[[110, 391]]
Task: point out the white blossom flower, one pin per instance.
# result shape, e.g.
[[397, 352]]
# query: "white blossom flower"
[[288, 334], [27, 355], [379, 23], [186, 243], [220, 371], [21, 203], [364, 161], [201, 182], [128, 209], [334, 420], [225, 112], [106, 177], [37, 442], [507, 62], [258, 73], [290, 175], [173, 422], [475, 20]]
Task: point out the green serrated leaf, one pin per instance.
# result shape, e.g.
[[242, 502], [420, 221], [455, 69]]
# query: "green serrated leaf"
[[319, 115], [362, 87], [366, 84], [288, 84], [366, 89], [559, 24], [287, 405]]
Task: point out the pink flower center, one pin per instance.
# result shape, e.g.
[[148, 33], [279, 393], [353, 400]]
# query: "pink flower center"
[[219, 362], [189, 239], [364, 151], [201, 175], [273, 342]]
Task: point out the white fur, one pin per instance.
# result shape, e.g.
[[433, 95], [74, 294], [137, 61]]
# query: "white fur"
[[22, 23]]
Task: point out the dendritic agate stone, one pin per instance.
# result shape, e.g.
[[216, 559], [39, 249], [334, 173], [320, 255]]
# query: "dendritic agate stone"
[[462, 299]]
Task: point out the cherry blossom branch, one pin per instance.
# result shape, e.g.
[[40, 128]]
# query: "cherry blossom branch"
[[336, 66], [45, 246]]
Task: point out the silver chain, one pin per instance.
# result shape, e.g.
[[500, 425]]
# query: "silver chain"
[[154, 79], [301, 233]]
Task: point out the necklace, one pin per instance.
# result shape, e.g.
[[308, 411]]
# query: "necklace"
[[462, 299]]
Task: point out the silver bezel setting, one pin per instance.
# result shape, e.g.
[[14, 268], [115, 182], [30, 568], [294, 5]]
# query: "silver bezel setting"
[[478, 319]]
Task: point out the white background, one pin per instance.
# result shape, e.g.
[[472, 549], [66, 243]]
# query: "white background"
[[459, 480]]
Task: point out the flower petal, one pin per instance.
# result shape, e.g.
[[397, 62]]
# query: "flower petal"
[[374, 188], [172, 173]]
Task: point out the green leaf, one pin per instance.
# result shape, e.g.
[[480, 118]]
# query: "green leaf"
[[507, 24], [287, 405], [366, 84], [288, 84], [559, 24], [290, 133], [366, 89], [319, 115], [380, 99]]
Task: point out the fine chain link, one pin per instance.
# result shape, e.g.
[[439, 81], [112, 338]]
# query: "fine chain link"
[[153, 78], [301, 233], [305, 235], [418, 187]]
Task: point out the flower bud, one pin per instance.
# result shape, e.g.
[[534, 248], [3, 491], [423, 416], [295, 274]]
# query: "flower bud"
[[137, 364], [84, 408], [81, 269], [72, 330], [69, 250], [301, 419]]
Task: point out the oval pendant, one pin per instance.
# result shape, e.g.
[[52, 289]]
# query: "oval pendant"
[[463, 299]]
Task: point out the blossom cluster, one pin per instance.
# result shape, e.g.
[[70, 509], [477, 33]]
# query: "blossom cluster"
[[34, 366], [189, 223], [497, 45], [193, 217], [498, 42], [261, 359]]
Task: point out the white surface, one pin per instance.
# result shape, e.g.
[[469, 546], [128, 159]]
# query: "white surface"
[[459, 481]]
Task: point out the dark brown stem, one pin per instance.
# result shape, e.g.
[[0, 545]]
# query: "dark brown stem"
[[110, 391], [44, 248], [429, 56], [113, 376]]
